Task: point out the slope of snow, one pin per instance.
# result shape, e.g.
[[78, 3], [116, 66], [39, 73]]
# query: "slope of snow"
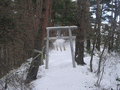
[[62, 76]]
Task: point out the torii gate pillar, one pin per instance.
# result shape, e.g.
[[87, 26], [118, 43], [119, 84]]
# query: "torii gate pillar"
[[70, 37]]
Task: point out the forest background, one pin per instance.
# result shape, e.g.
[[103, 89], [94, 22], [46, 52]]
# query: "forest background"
[[23, 24]]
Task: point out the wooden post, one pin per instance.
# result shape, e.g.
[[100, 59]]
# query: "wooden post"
[[58, 32], [70, 37], [71, 45], [47, 50]]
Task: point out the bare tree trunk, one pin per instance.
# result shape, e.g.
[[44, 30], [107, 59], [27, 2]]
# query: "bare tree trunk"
[[93, 47], [79, 51], [50, 7], [91, 60], [101, 55], [45, 16], [88, 25], [113, 26], [32, 72], [39, 40], [97, 38], [98, 17], [111, 31]]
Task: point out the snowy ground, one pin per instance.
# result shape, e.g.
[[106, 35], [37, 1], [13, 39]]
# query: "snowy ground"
[[62, 76]]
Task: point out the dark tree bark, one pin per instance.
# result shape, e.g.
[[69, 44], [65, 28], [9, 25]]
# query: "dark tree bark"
[[91, 60], [45, 17], [88, 26], [113, 26], [43, 6], [93, 47], [109, 44], [32, 72], [98, 17], [79, 51], [50, 7], [101, 56]]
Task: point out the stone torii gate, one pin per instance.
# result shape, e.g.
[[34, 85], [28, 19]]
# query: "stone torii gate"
[[70, 37]]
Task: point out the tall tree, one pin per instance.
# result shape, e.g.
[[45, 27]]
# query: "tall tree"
[[43, 6], [79, 49], [98, 23], [88, 26], [114, 14]]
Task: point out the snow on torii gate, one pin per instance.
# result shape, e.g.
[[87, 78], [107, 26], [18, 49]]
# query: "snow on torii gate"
[[70, 37]]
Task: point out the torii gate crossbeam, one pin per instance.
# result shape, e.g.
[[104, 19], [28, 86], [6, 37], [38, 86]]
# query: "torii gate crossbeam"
[[70, 37]]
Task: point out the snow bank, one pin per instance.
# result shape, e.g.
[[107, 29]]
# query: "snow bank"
[[62, 76]]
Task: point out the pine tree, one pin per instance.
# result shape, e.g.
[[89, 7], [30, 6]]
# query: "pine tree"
[[79, 49], [39, 39], [64, 12], [16, 33], [88, 29]]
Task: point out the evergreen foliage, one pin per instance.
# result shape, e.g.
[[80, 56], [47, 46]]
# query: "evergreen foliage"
[[23, 23], [64, 12], [16, 35]]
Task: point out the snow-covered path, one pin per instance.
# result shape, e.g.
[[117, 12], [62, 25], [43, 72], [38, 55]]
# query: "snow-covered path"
[[62, 76]]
